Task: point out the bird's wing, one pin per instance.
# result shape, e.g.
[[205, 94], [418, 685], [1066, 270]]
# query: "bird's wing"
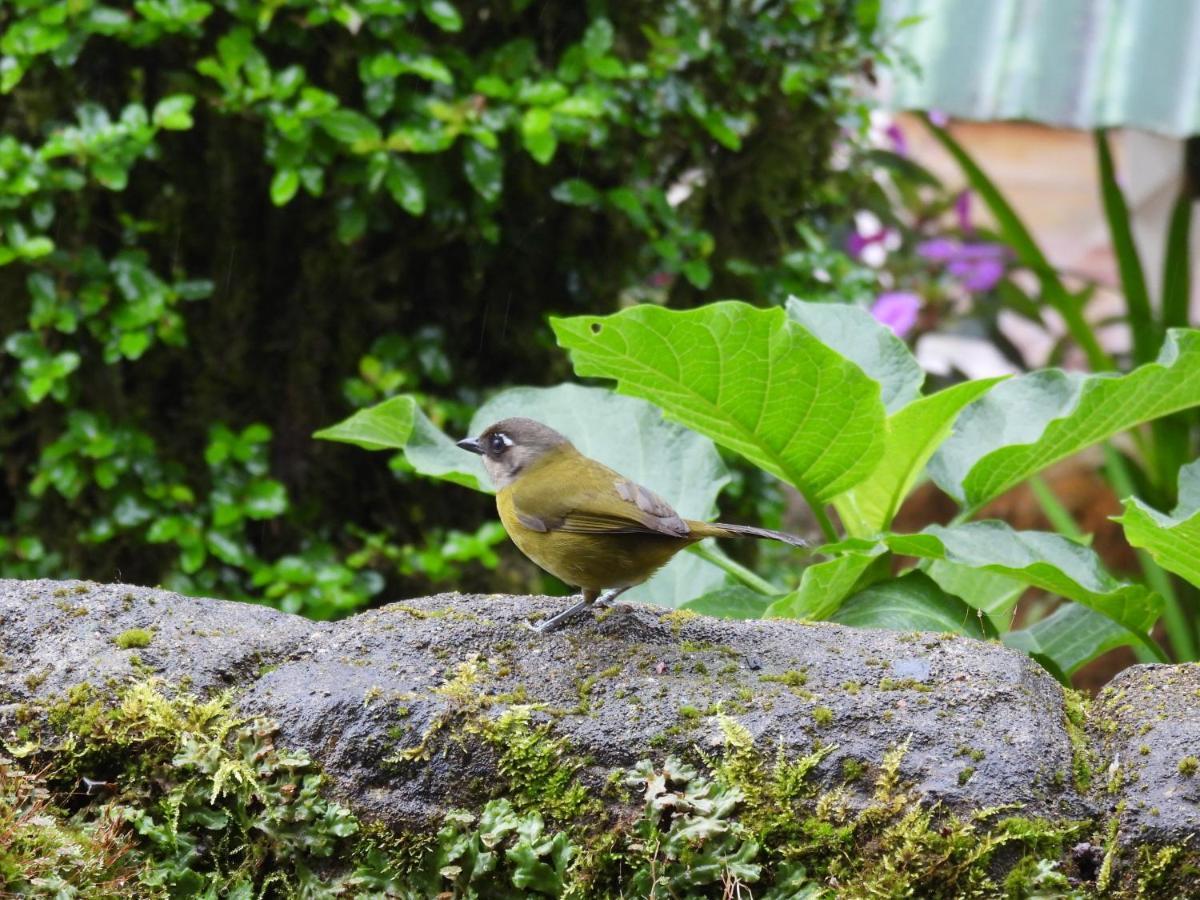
[[593, 500]]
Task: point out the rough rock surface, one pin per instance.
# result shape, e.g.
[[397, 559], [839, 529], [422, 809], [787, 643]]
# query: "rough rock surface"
[[54, 635], [1147, 727], [985, 725]]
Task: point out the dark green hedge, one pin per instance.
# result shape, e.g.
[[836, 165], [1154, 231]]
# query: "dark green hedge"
[[226, 223]]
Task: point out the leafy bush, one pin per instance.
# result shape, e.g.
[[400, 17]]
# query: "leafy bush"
[[828, 400], [216, 215]]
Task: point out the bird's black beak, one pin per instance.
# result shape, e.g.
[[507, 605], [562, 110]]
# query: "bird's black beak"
[[471, 444]]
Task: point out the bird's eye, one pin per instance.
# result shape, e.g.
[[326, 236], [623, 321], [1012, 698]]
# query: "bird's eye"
[[498, 444]]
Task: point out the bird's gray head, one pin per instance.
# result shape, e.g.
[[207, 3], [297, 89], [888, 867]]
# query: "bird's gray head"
[[511, 446]]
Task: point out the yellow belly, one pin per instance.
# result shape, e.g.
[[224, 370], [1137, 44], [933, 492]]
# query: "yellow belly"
[[594, 562]]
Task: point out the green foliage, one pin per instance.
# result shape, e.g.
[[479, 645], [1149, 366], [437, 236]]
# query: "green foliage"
[[824, 585], [1048, 561], [912, 435], [1061, 413], [734, 601], [214, 214], [729, 371], [777, 389], [687, 836], [196, 801], [539, 769], [45, 853], [1160, 450], [626, 434], [642, 347], [912, 602], [498, 853], [1172, 538]]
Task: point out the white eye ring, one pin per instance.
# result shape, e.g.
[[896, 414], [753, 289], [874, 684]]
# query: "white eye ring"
[[504, 442]]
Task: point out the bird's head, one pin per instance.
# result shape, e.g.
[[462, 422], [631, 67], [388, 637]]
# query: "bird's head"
[[511, 446]]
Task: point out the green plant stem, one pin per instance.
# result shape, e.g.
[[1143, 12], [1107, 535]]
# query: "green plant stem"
[[1177, 277], [824, 521], [1146, 337], [1179, 630], [711, 553], [1060, 518]]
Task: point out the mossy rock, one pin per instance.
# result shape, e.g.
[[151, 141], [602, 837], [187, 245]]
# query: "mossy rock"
[[704, 753]]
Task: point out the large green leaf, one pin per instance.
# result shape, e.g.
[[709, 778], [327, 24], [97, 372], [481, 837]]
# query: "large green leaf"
[[385, 426], [824, 586], [1071, 636], [996, 595], [1172, 539], [913, 435], [915, 426], [627, 434], [1027, 423], [399, 424], [857, 335], [735, 601], [1049, 561], [751, 379], [912, 602]]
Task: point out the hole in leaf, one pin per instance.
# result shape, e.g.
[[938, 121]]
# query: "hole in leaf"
[[596, 326]]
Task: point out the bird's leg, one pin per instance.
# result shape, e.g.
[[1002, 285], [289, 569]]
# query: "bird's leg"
[[606, 599], [559, 619], [594, 599]]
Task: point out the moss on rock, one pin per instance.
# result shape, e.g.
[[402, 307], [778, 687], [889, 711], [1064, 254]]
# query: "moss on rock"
[[153, 794]]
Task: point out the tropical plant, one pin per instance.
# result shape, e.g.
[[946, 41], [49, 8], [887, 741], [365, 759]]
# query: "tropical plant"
[[828, 400], [941, 272], [1148, 463]]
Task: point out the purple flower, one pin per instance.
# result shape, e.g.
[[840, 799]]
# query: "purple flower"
[[856, 243], [938, 249], [962, 209], [982, 250], [938, 118], [895, 134], [897, 310], [977, 275], [979, 266]]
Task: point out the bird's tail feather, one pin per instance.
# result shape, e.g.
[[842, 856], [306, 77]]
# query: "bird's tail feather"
[[751, 531]]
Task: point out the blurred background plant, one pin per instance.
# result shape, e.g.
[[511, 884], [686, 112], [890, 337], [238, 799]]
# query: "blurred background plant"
[[1005, 270], [224, 224], [981, 290]]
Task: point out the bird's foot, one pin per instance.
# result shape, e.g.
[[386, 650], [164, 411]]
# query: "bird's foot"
[[558, 620], [605, 600]]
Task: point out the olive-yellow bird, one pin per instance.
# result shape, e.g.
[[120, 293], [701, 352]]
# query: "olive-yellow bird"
[[581, 521]]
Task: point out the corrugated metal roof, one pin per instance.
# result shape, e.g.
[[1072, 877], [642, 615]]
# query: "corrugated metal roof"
[[1075, 63]]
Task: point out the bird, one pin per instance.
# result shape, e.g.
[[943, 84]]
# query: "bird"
[[581, 521]]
